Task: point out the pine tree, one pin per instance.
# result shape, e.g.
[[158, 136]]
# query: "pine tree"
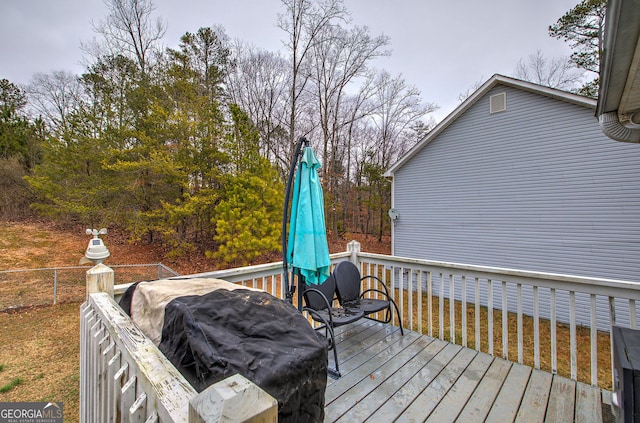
[[583, 28], [248, 219]]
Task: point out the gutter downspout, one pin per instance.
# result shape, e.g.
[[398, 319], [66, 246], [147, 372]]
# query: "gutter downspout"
[[611, 126]]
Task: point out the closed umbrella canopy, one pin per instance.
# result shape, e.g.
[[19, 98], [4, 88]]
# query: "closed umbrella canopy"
[[307, 248]]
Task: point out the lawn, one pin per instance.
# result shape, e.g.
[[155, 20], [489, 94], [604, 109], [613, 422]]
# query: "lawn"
[[39, 358]]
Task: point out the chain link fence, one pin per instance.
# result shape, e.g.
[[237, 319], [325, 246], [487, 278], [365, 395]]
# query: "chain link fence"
[[35, 287]]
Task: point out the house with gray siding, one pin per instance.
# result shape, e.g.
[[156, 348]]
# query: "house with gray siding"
[[521, 176]]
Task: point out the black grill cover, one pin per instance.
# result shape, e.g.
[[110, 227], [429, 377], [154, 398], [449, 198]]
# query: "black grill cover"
[[213, 336]]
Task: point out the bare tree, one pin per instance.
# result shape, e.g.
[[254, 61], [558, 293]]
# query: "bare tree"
[[259, 83], [557, 72], [303, 21], [337, 64], [400, 108], [130, 30], [473, 88], [54, 97]]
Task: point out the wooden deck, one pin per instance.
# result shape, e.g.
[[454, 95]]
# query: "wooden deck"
[[413, 378]]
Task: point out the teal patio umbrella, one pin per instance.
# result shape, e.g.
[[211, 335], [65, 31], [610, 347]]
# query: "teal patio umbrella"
[[307, 248]]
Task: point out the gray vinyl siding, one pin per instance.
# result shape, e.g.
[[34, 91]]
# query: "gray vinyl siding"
[[536, 187]]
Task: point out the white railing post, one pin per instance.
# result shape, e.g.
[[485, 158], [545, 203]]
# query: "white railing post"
[[353, 247], [234, 399], [100, 279]]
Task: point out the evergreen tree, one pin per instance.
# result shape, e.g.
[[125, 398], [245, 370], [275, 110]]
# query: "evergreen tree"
[[19, 138], [20, 150], [248, 218], [583, 28]]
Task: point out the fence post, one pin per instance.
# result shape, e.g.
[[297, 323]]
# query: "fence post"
[[100, 279], [55, 285], [235, 399]]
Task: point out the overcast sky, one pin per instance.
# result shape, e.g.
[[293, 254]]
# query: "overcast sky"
[[441, 47]]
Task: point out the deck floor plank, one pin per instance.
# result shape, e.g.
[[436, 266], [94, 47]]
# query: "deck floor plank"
[[360, 344], [430, 397], [451, 405], [389, 383], [483, 398], [562, 400], [536, 398], [368, 380], [414, 378], [407, 391], [436, 374], [588, 403], [506, 405], [367, 365]]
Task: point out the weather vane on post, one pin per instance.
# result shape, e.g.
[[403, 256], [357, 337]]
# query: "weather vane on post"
[[100, 278], [96, 252]]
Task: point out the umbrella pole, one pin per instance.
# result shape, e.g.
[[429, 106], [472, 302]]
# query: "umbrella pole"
[[289, 289]]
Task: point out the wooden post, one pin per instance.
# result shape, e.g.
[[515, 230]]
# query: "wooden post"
[[100, 279], [235, 399], [354, 248]]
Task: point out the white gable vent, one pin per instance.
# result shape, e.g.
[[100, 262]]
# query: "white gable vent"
[[498, 103]]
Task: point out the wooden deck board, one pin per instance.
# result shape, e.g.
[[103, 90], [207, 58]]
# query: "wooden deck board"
[[506, 406], [369, 380], [431, 396], [480, 403], [406, 393], [388, 377], [536, 398], [588, 403], [386, 386], [561, 400], [451, 405], [351, 377]]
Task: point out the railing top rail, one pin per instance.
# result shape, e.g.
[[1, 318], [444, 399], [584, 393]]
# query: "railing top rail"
[[600, 286], [156, 375], [258, 269], [88, 267]]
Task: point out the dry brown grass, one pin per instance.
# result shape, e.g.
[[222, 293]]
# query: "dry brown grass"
[[40, 346], [583, 338]]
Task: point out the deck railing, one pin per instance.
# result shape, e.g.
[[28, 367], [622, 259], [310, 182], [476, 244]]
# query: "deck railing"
[[558, 323], [554, 322], [124, 377], [543, 310]]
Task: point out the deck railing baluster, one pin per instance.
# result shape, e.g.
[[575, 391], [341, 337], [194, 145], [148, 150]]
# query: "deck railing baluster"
[[520, 326], [441, 308], [612, 323], [410, 299], [430, 301], [452, 309], [552, 329], [490, 315], [419, 298], [572, 335], [505, 322], [464, 310], [477, 313], [594, 342], [536, 328]]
